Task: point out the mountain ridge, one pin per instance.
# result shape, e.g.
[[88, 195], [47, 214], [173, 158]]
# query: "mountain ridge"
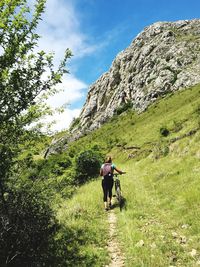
[[163, 58]]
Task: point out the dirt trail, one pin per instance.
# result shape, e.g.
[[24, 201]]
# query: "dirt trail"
[[117, 258]]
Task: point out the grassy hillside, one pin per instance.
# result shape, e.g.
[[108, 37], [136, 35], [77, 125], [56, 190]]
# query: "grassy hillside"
[[160, 151], [159, 224]]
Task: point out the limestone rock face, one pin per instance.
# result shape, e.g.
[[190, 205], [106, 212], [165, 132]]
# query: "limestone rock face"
[[164, 57]]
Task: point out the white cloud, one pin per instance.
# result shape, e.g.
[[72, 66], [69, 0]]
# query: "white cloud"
[[60, 29], [62, 120], [71, 90]]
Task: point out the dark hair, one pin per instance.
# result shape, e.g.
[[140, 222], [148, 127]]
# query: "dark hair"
[[108, 159]]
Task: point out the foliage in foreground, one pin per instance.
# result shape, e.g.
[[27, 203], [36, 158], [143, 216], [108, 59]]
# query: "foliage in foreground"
[[27, 221], [27, 227]]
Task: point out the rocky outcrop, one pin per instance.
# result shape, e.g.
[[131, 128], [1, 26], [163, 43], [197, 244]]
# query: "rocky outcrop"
[[164, 57]]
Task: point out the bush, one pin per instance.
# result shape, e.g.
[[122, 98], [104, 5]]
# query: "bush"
[[87, 165], [160, 150], [197, 110], [164, 131], [75, 123], [124, 107], [55, 165], [27, 228], [30, 234]]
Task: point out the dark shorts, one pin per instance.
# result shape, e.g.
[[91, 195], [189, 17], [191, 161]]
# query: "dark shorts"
[[107, 185]]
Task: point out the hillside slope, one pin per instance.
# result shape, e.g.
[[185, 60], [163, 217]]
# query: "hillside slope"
[[160, 150]]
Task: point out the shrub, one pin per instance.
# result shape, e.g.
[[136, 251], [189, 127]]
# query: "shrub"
[[177, 126], [31, 235], [27, 228], [75, 123], [160, 150], [124, 107], [55, 165], [164, 131], [197, 110], [87, 165]]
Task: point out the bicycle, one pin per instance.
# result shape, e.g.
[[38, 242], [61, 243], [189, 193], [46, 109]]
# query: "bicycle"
[[118, 192]]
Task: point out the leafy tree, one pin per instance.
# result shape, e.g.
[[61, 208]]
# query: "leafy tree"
[[22, 73], [47, 168], [23, 87]]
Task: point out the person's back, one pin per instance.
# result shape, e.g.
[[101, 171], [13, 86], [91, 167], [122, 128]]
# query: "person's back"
[[107, 169]]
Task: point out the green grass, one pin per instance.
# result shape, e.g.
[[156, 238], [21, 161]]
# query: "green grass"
[[161, 187], [84, 215], [161, 196], [132, 129]]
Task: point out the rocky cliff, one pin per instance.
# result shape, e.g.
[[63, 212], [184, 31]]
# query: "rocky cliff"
[[163, 58]]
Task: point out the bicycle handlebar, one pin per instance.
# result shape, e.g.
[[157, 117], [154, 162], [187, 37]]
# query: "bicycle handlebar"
[[116, 174]]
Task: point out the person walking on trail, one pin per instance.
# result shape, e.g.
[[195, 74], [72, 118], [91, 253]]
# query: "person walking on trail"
[[106, 172]]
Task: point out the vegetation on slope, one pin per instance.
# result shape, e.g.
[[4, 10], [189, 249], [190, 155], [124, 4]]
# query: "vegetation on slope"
[[159, 225], [27, 221]]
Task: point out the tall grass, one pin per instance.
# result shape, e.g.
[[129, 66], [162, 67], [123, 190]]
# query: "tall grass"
[[163, 200], [84, 214]]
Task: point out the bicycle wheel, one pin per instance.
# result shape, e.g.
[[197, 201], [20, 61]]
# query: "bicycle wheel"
[[119, 195]]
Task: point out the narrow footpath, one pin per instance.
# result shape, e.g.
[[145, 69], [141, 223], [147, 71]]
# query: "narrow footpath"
[[117, 258]]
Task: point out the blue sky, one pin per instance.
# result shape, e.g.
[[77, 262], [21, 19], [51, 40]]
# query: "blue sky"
[[96, 31], [122, 20]]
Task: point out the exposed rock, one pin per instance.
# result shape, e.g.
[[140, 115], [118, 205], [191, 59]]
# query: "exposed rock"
[[163, 58], [183, 240], [193, 253], [140, 244], [153, 245], [56, 147], [174, 235], [185, 226]]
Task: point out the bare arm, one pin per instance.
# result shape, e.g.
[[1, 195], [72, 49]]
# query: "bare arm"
[[119, 171]]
